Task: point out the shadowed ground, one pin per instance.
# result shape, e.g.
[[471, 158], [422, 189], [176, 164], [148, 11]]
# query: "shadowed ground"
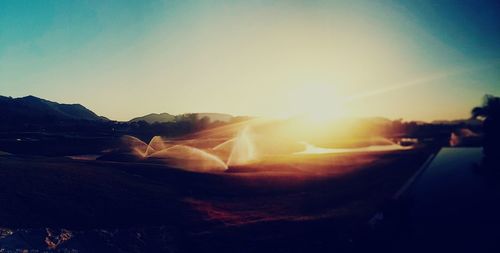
[[452, 206], [317, 202]]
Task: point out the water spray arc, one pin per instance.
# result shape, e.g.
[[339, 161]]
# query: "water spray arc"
[[239, 150]]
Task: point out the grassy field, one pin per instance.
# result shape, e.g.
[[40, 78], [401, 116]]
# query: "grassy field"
[[282, 204]]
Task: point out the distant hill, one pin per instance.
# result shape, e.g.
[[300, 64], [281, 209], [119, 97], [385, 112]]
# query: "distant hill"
[[155, 117], [32, 109], [215, 116], [472, 122], [166, 117]]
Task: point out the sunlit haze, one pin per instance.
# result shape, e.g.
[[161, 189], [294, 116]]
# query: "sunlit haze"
[[322, 59]]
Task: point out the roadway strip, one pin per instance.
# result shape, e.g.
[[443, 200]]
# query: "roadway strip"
[[414, 177]]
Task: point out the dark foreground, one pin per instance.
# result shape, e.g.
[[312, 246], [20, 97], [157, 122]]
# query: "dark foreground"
[[452, 206], [313, 203]]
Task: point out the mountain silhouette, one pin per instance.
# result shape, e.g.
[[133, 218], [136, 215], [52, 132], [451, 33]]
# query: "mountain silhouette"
[[215, 116], [473, 122], [31, 109], [166, 117], [155, 117]]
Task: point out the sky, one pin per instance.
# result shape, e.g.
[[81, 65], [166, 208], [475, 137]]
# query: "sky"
[[416, 60]]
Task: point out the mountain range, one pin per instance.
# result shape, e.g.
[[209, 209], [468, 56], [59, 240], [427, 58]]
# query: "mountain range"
[[31, 109], [34, 110], [166, 117], [155, 117]]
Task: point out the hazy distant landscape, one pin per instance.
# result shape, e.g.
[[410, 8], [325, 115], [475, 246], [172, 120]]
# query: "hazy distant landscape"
[[98, 188], [31, 125]]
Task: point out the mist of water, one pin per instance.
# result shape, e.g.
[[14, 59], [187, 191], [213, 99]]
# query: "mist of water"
[[236, 151], [240, 150], [190, 158], [136, 146], [181, 156], [225, 145], [243, 150], [156, 144]]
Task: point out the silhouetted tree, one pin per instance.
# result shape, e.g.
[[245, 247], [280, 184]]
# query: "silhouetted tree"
[[489, 112], [203, 123]]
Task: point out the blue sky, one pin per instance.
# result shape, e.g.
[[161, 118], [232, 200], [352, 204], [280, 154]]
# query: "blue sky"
[[419, 60]]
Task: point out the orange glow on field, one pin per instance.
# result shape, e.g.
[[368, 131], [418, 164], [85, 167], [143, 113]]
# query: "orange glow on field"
[[251, 143]]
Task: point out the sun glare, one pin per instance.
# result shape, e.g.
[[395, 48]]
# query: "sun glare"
[[317, 103]]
